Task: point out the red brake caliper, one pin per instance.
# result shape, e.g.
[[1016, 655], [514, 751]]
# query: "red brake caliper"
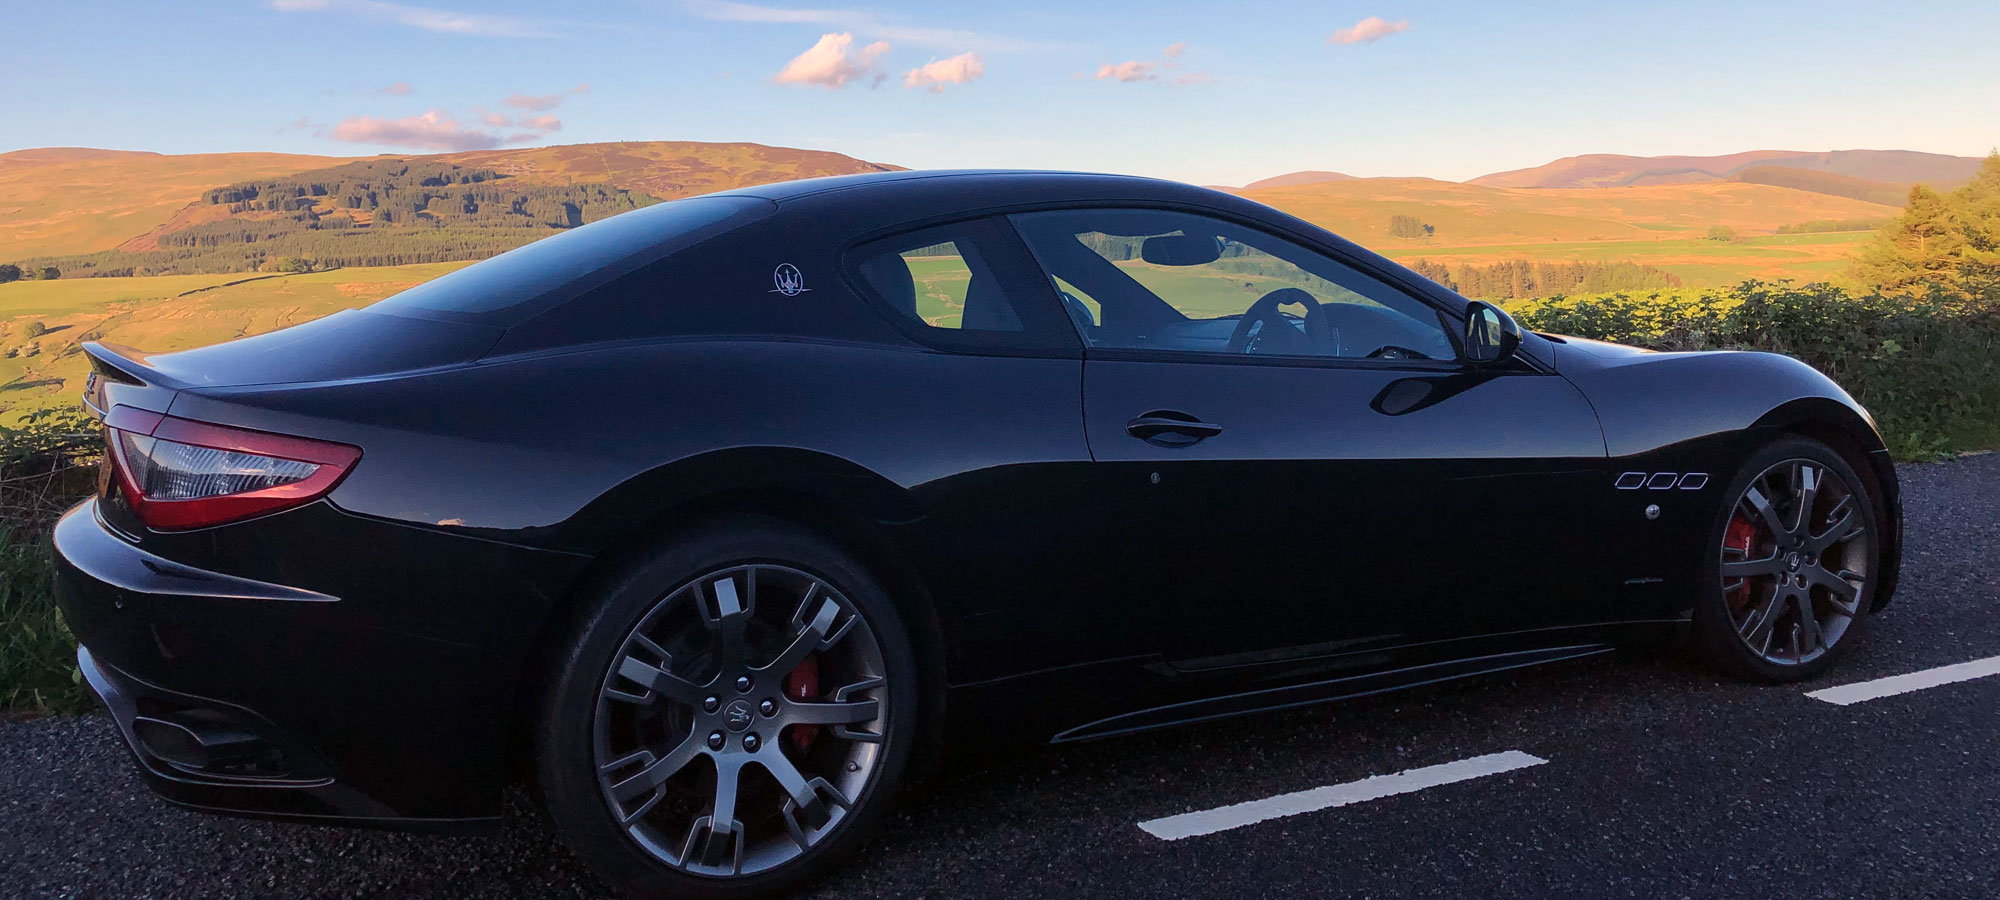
[[803, 685], [1742, 537]]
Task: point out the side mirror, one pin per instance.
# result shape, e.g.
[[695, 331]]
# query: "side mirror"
[[1491, 335]]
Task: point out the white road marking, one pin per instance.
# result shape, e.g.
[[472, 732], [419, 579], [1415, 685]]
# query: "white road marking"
[[1849, 694], [1210, 821]]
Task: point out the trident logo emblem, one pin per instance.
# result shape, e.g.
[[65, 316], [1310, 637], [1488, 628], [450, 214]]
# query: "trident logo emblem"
[[789, 280]]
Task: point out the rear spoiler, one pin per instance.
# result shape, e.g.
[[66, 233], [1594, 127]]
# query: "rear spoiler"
[[120, 375]]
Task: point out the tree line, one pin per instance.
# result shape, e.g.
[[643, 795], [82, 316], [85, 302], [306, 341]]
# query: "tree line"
[[371, 213], [1523, 278]]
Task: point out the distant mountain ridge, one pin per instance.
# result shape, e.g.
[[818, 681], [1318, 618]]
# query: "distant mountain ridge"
[[1296, 179], [1902, 167]]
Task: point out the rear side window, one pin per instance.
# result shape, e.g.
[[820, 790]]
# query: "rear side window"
[[968, 284], [556, 268]]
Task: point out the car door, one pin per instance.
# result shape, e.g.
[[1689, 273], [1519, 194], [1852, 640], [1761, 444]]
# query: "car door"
[[1311, 475]]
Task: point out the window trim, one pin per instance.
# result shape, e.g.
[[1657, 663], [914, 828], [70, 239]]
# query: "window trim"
[[1015, 267]]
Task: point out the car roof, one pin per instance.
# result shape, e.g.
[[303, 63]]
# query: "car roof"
[[980, 187]]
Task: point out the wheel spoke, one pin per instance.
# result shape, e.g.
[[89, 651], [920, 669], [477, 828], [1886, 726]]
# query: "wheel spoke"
[[1808, 633], [810, 635], [1761, 505], [1843, 588], [1757, 623], [732, 616], [657, 680], [794, 784], [655, 773], [1805, 486], [1846, 526], [1770, 565], [850, 713]]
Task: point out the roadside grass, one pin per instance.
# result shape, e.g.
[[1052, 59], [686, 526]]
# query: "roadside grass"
[[37, 654]]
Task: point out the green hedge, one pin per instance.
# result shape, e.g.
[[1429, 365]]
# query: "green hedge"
[[1927, 368]]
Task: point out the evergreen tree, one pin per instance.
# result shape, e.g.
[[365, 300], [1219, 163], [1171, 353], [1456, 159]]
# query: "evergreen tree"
[[1923, 247]]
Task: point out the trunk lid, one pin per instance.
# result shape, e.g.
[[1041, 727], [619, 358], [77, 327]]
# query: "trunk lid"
[[345, 345]]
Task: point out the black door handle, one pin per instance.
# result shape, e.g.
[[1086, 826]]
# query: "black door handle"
[[1170, 428]]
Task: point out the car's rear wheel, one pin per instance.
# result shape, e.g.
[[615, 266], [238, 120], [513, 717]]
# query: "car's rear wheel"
[[1792, 562], [731, 716]]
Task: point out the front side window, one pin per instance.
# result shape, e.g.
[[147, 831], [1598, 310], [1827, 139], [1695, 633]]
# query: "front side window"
[[1166, 280]]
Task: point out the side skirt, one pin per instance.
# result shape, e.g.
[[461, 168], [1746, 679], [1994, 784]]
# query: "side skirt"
[[1316, 692]]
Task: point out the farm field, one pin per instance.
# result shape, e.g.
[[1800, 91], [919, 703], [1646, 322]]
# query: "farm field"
[[42, 367], [1697, 261]]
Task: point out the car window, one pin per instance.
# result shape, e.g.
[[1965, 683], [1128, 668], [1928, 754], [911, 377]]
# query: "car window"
[[1168, 280]]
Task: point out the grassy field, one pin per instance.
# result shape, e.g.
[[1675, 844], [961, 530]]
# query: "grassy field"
[[1697, 261], [1477, 215], [172, 312]]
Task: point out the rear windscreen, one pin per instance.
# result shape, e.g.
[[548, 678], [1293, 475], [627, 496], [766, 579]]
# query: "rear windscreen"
[[556, 268]]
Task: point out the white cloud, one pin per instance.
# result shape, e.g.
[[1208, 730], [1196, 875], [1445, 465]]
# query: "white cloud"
[[828, 63], [1133, 70], [543, 102], [1368, 31], [423, 17], [434, 130], [441, 131], [937, 73], [399, 89], [859, 22], [1129, 70]]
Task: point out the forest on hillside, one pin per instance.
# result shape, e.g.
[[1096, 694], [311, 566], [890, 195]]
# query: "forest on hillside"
[[381, 212]]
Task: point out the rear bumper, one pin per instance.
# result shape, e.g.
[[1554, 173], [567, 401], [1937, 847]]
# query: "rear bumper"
[[321, 704]]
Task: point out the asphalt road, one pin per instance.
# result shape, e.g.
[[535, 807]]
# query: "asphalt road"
[[1660, 781]]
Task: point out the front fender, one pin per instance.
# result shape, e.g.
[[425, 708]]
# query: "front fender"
[[1670, 408]]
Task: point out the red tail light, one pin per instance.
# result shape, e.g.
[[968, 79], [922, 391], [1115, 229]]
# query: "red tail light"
[[179, 474]]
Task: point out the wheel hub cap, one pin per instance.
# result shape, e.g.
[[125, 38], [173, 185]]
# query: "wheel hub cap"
[[736, 716]]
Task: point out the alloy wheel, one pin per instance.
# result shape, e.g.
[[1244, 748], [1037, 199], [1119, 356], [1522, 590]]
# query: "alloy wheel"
[[741, 720], [1795, 559]]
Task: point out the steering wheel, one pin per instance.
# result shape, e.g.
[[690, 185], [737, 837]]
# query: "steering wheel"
[[1265, 310]]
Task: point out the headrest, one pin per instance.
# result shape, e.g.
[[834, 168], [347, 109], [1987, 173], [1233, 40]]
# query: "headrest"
[[889, 274]]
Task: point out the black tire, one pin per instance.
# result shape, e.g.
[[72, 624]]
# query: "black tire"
[[1717, 631], [568, 736]]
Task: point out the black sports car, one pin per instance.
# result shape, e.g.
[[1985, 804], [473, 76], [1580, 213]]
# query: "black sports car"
[[718, 519]]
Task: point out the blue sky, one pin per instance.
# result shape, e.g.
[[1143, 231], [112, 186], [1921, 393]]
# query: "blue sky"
[[1210, 92]]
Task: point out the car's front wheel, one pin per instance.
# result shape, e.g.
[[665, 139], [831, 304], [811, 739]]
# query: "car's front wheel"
[[730, 717], [1791, 564]]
